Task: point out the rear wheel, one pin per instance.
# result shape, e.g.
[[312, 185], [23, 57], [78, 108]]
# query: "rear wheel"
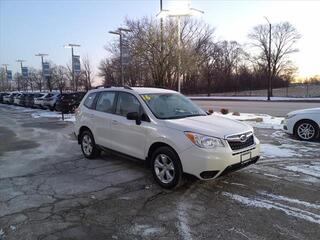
[[88, 146], [306, 130], [166, 167]]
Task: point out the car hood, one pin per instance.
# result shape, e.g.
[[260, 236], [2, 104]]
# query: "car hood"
[[305, 111], [211, 125]]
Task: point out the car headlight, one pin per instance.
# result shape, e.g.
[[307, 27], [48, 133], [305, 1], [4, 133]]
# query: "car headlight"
[[288, 116], [204, 141]]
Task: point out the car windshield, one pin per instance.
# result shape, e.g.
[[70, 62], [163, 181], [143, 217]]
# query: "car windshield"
[[171, 106]]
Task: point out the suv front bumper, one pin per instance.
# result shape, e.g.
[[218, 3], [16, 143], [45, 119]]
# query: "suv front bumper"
[[211, 163]]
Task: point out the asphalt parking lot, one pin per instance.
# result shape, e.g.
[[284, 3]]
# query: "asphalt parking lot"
[[49, 191]]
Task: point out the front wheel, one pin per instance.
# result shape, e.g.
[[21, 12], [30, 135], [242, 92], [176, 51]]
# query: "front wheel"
[[166, 167], [88, 146], [306, 130]]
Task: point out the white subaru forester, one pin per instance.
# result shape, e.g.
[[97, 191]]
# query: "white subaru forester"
[[166, 129]]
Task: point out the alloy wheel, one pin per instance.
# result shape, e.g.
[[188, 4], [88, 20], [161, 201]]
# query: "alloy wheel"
[[164, 168], [87, 145], [306, 131]]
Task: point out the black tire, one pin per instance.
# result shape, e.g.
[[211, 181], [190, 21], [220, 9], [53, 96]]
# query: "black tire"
[[313, 128], [175, 173], [94, 152]]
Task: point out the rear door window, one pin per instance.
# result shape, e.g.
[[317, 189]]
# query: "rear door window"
[[89, 102], [106, 102]]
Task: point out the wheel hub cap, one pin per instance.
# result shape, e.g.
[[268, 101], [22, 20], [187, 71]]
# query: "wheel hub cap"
[[164, 168], [87, 145], [306, 131]]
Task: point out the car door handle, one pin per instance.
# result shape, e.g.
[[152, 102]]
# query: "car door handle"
[[115, 122]]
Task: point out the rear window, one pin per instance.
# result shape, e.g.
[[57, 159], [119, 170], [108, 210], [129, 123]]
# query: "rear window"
[[89, 102]]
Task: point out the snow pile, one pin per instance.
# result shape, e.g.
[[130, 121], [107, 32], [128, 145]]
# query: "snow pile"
[[48, 114], [256, 120]]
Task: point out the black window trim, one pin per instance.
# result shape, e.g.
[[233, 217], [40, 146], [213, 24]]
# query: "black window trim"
[[94, 101], [147, 119], [114, 101]]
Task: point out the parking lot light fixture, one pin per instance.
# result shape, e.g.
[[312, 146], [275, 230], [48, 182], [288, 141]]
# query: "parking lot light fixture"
[[42, 55], [177, 13], [119, 32], [72, 45]]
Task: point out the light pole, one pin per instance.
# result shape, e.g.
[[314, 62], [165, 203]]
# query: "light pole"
[[5, 65], [269, 62], [119, 32], [72, 45], [20, 61], [42, 55], [178, 14]]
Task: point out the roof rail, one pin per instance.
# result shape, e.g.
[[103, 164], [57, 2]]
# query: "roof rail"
[[127, 87], [103, 86]]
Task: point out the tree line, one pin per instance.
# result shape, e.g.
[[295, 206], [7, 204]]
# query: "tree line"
[[159, 57]]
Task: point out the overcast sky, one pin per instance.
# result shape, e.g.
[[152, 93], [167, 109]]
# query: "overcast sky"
[[28, 27]]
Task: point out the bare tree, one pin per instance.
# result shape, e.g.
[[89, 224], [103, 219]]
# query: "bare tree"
[[87, 75], [17, 78], [35, 80], [283, 39], [59, 77]]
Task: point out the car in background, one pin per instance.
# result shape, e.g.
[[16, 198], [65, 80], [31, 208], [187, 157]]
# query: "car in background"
[[49, 102], [9, 98], [30, 99], [38, 100], [11, 101], [303, 124], [23, 99], [68, 102], [16, 99], [2, 95], [167, 130]]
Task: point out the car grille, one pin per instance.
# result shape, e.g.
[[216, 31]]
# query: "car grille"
[[238, 144]]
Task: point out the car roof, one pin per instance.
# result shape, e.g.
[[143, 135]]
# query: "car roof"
[[138, 90]]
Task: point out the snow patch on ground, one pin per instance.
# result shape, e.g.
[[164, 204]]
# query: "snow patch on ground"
[[312, 170], [271, 175], [48, 114], [145, 230], [2, 235], [292, 200], [256, 120], [273, 151], [183, 223], [269, 204]]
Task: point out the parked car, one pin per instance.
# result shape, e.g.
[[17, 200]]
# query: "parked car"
[[49, 102], [16, 99], [2, 95], [304, 124], [9, 98], [30, 99], [38, 100], [68, 102], [166, 129], [23, 99]]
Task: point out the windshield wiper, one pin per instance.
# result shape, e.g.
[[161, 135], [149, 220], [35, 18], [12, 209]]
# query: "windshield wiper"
[[185, 116]]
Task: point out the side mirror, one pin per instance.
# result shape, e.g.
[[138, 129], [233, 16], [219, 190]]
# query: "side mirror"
[[134, 116]]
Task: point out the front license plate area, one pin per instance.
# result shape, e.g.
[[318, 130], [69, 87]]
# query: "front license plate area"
[[244, 157]]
